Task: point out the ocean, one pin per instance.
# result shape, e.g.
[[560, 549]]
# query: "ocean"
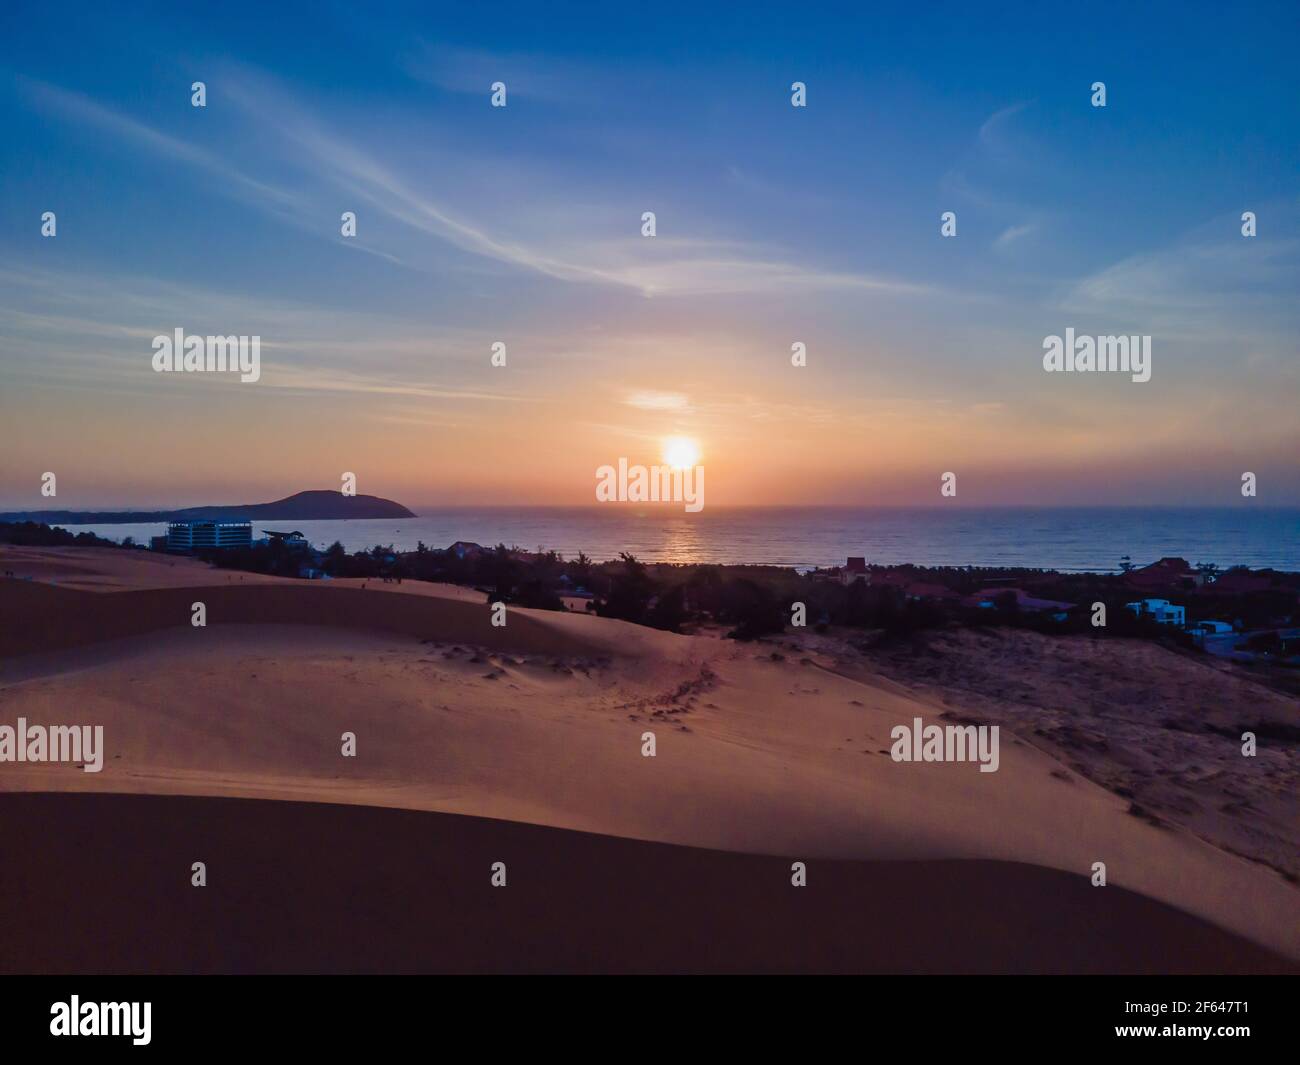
[[1073, 539]]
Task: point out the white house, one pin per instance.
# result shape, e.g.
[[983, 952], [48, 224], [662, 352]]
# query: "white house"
[[1217, 637], [1161, 611]]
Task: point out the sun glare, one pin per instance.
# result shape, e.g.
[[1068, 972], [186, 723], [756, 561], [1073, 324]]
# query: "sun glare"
[[681, 452]]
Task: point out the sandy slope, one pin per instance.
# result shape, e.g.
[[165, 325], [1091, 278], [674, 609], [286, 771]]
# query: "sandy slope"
[[1158, 726], [301, 887], [544, 725]]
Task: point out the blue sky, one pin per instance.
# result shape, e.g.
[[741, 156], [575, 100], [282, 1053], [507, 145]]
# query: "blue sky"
[[775, 224]]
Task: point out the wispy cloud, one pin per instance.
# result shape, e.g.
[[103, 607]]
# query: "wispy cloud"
[[658, 401], [1014, 233], [291, 207], [660, 266], [657, 266], [81, 109], [1211, 284], [993, 128], [307, 379], [991, 175], [473, 70], [85, 329]]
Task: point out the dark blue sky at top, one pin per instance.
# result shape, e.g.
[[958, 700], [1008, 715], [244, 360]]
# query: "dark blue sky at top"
[[664, 102]]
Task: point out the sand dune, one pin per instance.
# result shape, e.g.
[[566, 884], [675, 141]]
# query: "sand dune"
[[296, 887], [42, 617], [1157, 726], [541, 722], [109, 569]]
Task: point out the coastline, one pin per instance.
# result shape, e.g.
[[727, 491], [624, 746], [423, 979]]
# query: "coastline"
[[1068, 539]]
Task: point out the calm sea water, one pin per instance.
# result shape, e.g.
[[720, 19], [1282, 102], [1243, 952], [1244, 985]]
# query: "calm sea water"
[[1063, 538]]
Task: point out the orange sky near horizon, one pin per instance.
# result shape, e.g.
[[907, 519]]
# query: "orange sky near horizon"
[[222, 442]]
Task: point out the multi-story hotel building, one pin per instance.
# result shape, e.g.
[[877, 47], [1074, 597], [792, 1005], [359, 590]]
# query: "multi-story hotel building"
[[202, 533]]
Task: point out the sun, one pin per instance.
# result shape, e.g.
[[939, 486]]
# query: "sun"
[[681, 452]]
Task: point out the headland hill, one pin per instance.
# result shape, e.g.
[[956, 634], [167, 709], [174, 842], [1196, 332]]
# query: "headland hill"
[[313, 505]]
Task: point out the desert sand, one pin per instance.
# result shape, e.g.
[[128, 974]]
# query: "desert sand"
[[102, 884], [766, 754]]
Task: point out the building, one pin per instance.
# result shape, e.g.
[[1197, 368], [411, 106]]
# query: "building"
[[854, 571], [464, 549], [1161, 611], [905, 579], [1166, 574], [207, 533], [1218, 638], [293, 539]]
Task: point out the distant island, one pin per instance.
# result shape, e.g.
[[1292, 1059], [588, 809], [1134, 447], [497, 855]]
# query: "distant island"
[[320, 505]]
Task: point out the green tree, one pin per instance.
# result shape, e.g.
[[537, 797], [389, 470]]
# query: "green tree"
[[630, 591]]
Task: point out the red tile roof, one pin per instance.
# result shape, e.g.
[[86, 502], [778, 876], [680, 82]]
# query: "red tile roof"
[[1165, 573]]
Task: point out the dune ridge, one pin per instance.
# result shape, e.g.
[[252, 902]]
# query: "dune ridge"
[[40, 618]]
